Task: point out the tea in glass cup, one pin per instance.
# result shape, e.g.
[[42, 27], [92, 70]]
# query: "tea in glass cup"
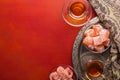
[[94, 68], [77, 12]]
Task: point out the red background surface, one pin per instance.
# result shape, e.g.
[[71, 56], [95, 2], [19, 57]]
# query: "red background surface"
[[33, 39]]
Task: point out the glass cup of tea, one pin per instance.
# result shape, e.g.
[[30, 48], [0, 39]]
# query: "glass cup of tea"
[[93, 66], [77, 12]]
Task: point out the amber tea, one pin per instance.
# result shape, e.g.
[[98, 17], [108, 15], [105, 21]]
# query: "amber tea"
[[94, 68], [77, 8]]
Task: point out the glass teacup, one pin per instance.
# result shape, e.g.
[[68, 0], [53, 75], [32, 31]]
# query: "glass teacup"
[[93, 66], [77, 12]]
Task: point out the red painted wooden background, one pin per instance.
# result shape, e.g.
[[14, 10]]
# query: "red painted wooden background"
[[33, 39]]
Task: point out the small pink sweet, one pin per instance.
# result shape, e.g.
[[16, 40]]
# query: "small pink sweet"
[[90, 32], [97, 40], [104, 34], [106, 43], [97, 28], [68, 72], [60, 71], [88, 40], [54, 76]]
